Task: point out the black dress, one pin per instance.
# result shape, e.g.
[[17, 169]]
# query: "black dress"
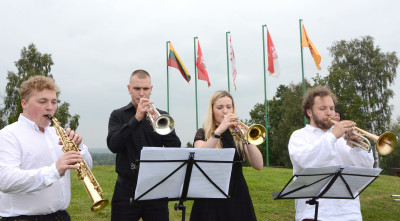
[[240, 207]]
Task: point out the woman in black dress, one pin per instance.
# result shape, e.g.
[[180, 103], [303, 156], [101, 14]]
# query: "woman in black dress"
[[220, 117]]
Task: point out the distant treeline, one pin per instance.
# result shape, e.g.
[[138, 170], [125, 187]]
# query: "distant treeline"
[[103, 158]]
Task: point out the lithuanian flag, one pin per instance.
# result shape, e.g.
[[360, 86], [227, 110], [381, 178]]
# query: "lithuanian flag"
[[175, 62]]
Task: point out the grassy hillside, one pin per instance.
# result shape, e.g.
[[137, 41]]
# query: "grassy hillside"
[[376, 202]]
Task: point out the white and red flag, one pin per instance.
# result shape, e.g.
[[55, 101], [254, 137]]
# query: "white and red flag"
[[233, 65], [273, 65], [201, 66]]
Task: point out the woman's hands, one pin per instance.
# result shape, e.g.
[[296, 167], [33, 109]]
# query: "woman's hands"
[[229, 121]]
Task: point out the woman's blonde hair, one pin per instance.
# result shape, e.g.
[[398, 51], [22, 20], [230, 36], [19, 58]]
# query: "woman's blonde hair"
[[210, 123]]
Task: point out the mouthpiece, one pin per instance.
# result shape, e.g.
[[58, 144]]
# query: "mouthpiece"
[[49, 116]]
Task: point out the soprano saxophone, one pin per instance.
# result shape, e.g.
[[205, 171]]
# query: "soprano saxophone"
[[84, 173]]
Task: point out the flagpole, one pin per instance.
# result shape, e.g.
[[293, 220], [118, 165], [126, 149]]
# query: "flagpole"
[[167, 80], [195, 80], [302, 65], [265, 99], [227, 59]]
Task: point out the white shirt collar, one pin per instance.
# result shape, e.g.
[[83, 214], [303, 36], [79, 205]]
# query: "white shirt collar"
[[316, 129], [24, 120]]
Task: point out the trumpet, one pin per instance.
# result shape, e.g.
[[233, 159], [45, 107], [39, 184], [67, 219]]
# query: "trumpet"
[[84, 173], [163, 124], [385, 143], [255, 135]]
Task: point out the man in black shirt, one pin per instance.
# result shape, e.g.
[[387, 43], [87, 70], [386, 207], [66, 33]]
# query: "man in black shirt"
[[128, 132]]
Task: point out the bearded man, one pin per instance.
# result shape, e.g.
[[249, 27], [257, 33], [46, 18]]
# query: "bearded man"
[[320, 144]]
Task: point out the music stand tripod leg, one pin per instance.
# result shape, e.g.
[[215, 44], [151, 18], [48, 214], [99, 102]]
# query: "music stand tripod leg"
[[182, 207], [313, 201], [185, 188]]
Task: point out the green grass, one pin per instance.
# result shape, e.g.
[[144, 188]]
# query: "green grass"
[[376, 203]]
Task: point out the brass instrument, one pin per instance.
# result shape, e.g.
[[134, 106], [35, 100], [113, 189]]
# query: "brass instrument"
[[385, 143], [84, 173], [163, 124], [255, 135]]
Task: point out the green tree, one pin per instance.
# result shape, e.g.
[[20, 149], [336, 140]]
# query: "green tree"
[[64, 116], [291, 119], [3, 122], [257, 117], [31, 63], [189, 145], [284, 117], [360, 76]]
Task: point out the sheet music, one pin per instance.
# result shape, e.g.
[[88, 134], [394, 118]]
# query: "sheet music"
[[220, 174], [151, 173], [355, 182], [314, 181]]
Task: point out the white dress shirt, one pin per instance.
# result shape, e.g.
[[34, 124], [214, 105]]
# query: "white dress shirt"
[[29, 181], [312, 147]]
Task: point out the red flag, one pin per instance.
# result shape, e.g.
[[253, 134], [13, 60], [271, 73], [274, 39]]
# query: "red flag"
[[201, 66], [273, 65], [233, 64]]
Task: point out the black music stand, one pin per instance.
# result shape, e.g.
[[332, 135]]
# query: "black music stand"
[[333, 182], [179, 181]]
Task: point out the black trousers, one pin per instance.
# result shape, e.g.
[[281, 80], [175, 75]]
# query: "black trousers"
[[61, 215], [122, 209], [148, 212]]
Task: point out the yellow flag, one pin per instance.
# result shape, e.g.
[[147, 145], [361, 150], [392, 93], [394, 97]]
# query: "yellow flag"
[[306, 42]]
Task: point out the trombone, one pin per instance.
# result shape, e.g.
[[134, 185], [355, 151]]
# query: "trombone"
[[385, 143], [163, 124], [255, 135]]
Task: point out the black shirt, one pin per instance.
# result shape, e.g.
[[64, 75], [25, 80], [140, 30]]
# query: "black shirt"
[[127, 136]]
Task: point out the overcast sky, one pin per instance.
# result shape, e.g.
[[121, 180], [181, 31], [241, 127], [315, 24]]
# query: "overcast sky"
[[96, 44]]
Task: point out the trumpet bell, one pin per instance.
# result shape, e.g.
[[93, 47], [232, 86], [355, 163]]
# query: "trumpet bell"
[[256, 134], [164, 124], [386, 143]]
